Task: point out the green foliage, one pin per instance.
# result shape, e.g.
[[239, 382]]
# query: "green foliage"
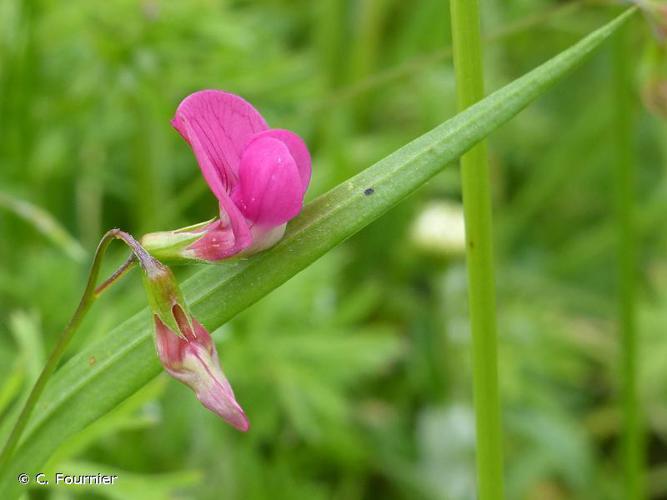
[[355, 373]]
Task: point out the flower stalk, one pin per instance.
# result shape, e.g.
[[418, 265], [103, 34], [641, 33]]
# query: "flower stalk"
[[184, 346], [90, 294], [479, 256]]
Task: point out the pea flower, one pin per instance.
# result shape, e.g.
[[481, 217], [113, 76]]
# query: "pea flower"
[[185, 348], [258, 174], [191, 357]]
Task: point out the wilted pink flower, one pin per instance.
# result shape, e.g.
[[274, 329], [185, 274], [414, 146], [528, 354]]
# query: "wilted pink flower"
[[190, 356], [184, 346], [259, 176]]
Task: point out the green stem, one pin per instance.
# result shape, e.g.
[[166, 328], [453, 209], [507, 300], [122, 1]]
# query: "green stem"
[[479, 253], [117, 274], [90, 294], [632, 449]]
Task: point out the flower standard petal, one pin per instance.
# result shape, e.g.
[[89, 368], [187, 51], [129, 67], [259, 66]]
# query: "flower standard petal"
[[270, 190], [230, 215], [218, 125]]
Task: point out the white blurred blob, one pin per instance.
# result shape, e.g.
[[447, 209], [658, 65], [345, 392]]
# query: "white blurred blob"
[[439, 229], [446, 440]]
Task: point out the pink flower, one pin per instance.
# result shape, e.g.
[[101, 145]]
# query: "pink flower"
[[190, 356], [259, 176], [183, 345]]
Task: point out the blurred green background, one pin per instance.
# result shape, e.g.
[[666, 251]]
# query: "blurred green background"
[[356, 373]]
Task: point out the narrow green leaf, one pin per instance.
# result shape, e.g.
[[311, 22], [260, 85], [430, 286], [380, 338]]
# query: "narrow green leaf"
[[26, 330], [107, 372], [45, 223]]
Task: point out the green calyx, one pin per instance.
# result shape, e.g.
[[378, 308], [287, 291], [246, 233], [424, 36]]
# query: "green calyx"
[[173, 245], [164, 294]]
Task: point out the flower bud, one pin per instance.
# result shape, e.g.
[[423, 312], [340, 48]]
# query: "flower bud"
[[194, 361], [185, 348]]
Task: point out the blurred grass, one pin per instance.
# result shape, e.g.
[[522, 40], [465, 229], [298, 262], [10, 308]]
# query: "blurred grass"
[[341, 369]]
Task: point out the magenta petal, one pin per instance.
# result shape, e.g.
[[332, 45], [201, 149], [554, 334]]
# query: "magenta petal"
[[297, 149], [219, 398], [220, 241], [270, 187], [201, 371], [229, 212], [169, 345], [233, 218], [218, 125], [194, 361]]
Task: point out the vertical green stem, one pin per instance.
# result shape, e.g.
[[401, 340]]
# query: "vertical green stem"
[[632, 449], [479, 252]]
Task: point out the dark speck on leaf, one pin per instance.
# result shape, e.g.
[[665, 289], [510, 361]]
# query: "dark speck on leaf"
[[92, 360], [369, 191]]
